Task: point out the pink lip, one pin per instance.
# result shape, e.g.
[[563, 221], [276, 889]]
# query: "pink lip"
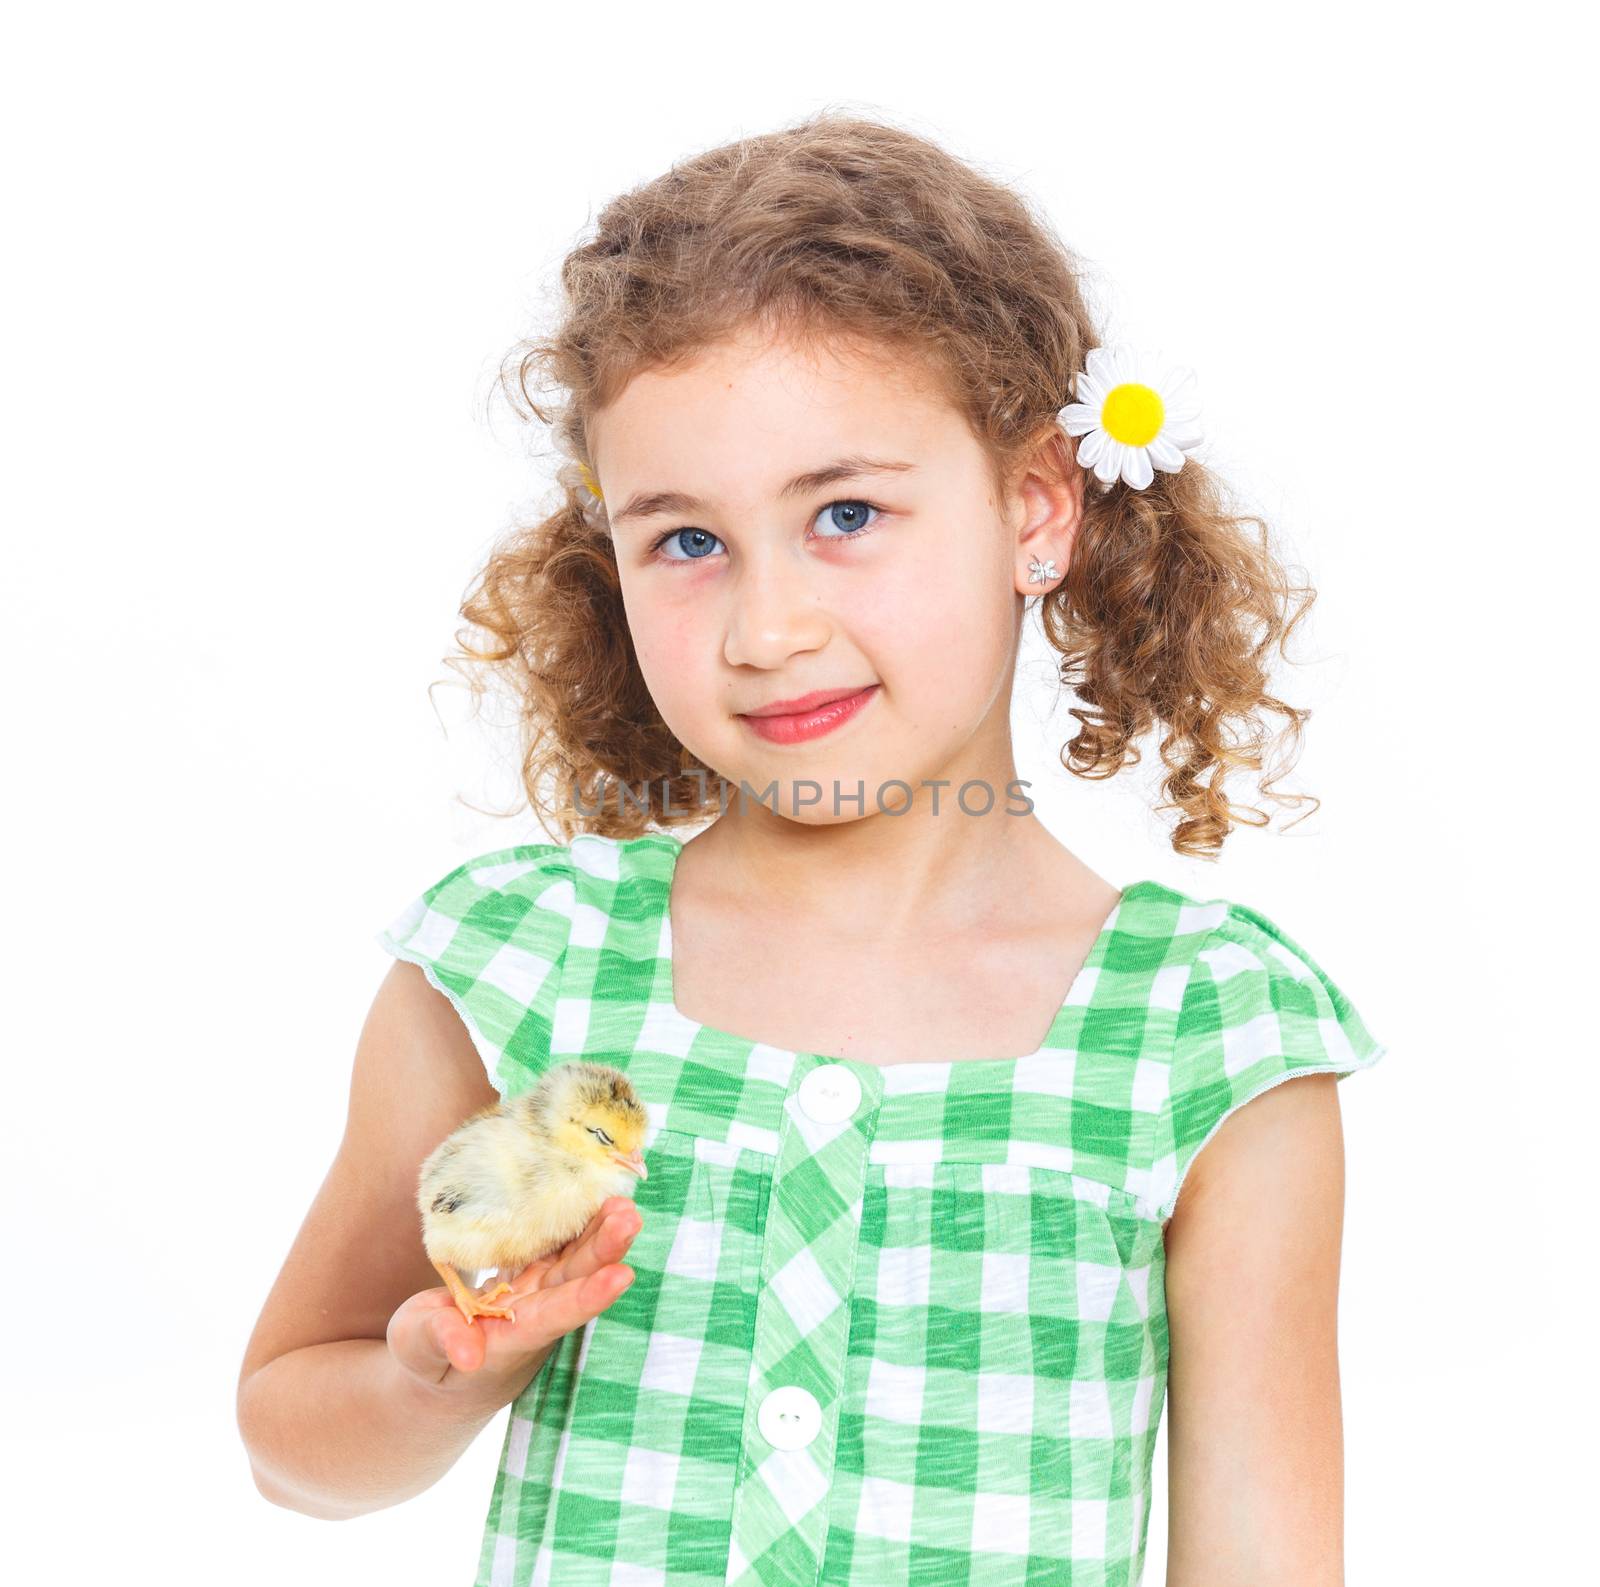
[[803, 702], [812, 715]]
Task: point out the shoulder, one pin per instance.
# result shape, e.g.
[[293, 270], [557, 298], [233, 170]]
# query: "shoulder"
[[1256, 1009], [489, 896], [495, 932], [1254, 985], [531, 896]]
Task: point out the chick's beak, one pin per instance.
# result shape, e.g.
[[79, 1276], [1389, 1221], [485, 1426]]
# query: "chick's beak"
[[635, 1162]]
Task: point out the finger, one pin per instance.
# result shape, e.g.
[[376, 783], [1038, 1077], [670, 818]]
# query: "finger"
[[459, 1344], [570, 1260], [586, 1235], [423, 1333], [545, 1315], [606, 1239], [534, 1273]]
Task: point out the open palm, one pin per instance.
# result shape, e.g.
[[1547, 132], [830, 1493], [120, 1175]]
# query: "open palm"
[[550, 1297]]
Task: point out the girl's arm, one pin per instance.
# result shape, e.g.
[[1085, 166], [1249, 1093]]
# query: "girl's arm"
[[1254, 1438], [332, 1424]]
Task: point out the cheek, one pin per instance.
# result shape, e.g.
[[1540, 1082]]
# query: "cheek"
[[678, 649], [663, 635], [942, 616]]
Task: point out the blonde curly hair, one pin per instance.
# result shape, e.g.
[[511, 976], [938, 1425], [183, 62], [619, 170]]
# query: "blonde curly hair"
[[839, 226]]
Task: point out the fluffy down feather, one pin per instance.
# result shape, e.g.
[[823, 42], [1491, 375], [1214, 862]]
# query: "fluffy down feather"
[[522, 1177]]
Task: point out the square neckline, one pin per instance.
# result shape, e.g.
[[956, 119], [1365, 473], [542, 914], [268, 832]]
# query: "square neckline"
[[1076, 995]]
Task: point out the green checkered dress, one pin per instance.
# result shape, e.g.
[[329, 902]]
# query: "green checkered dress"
[[898, 1324]]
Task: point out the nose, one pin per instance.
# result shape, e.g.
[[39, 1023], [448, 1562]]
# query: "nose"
[[775, 612]]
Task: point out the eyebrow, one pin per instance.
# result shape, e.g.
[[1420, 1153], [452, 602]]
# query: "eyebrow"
[[653, 503]]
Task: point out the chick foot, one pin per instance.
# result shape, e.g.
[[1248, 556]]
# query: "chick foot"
[[468, 1304]]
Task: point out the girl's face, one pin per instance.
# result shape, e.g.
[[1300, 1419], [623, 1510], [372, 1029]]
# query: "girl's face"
[[789, 521]]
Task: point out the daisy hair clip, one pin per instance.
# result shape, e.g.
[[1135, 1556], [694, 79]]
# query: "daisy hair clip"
[[1135, 413]]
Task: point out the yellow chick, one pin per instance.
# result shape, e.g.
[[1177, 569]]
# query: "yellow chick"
[[521, 1177]]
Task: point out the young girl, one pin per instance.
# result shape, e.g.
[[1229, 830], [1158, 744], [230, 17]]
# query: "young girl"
[[928, 1233]]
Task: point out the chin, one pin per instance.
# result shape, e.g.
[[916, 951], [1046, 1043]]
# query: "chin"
[[817, 781]]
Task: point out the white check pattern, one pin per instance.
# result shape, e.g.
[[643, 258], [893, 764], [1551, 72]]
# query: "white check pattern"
[[955, 1294]]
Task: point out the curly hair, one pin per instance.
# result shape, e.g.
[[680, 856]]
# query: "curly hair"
[[839, 227]]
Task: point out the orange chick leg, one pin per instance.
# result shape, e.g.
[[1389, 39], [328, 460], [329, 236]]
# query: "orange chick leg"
[[468, 1304]]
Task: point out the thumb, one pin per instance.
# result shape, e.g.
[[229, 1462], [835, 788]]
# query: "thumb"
[[456, 1343]]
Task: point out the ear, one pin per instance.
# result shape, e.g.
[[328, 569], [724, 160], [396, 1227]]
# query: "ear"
[[1051, 495]]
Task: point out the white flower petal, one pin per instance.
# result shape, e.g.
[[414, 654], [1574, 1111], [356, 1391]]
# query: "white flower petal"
[[1164, 455], [1100, 368], [1109, 464], [1078, 417], [1091, 393], [1178, 387], [1136, 469], [1187, 436], [1091, 446]]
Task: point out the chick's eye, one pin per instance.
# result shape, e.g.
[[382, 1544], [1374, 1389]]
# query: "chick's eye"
[[595, 1130], [850, 516]]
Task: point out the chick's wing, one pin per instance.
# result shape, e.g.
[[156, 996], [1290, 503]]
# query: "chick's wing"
[[484, 1166]]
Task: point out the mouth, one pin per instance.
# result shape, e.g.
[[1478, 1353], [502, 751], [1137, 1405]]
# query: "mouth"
[[634, 1164], [790, 721], [806, 702]]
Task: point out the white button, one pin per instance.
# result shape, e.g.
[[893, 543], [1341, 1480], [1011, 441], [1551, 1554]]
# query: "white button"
[[789, 1417], [830, 1094]]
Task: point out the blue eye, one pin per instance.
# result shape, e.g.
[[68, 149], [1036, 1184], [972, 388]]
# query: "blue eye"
[[696, 544], [852, 530], [684, 539]]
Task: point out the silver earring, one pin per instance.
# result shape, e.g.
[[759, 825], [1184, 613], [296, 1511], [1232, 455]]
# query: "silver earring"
[[1042, 572]]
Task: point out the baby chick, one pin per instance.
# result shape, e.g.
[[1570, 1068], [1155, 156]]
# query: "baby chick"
[[521, 1177]]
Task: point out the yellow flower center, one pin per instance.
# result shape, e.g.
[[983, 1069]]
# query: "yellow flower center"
[[1132, 414]]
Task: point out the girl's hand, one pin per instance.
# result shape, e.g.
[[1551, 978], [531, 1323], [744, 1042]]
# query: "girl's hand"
[[493, 1359]]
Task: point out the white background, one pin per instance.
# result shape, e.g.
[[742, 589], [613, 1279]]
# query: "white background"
[[262, 263]]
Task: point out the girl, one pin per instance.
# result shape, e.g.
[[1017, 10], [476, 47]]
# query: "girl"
[[910, 1276]]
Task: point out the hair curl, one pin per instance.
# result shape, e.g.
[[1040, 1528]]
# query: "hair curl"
[[839, 227]]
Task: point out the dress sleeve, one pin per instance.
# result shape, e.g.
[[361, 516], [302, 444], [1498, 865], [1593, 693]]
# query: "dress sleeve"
[[1257, 1010], [491, 935]]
